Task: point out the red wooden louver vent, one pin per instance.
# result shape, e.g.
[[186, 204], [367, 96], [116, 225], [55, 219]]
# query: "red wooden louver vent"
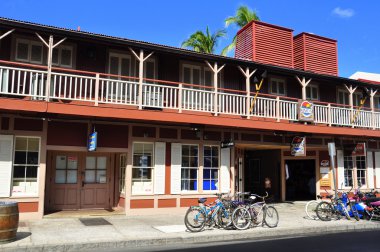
[[265, 43], [315, 53]]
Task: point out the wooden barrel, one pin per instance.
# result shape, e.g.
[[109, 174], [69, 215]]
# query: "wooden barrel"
[[8, 221]]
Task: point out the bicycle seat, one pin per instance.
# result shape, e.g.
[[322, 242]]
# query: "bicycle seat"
[[202, 200], [319, 197], [329, 196]]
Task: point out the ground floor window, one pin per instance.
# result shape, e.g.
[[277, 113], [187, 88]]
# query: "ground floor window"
[[25, 166], [189, 170], [210, 168], [142, 170], [355, 169]]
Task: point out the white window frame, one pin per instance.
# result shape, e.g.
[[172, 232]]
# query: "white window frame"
[[271, 79], [202, 79], [212, 168], [377, 102], [192, 67], [347, 170], [120, 56], [137, 167], [354, 172], [311, 86], [356, 97], [29, 43], [190, 191], [38, 167], [64, 47]]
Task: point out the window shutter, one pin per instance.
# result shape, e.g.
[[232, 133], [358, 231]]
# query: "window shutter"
[[159, 168], [340, 161], [377, 169], [175, 171], [225, 170], [370, 177], [6, 151]]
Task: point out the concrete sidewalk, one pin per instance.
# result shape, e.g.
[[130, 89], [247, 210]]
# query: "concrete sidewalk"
[[70, 234]]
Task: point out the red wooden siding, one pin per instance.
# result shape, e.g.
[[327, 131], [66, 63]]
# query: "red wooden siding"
[[265, 43], [67, 133], [115, 136], [315, 53]]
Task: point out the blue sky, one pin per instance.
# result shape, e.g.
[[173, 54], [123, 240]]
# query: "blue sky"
[[353, 23]]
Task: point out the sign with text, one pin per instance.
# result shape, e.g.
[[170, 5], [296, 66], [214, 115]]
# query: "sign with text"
[[92, 141], [305, 111], [298, 146], [325, 163], [359, 150], [227, 144]]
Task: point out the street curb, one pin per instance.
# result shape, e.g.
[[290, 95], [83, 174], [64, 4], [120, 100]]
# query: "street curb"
[[275, 233]]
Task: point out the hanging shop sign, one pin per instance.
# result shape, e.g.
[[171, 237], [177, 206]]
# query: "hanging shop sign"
[[359, 150], [298, 146], [325, 163], [355, 150], [92, 141], [227, 144], [305, 111]]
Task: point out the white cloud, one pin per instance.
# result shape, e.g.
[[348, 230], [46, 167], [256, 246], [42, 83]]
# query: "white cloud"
[[343, 13]]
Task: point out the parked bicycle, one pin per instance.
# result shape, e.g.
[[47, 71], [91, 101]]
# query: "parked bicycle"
[[255, 212], [337, 208], [216, 213], [311, 207]]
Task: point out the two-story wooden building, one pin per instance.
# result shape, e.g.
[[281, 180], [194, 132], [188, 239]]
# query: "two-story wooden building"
[[173, 125]]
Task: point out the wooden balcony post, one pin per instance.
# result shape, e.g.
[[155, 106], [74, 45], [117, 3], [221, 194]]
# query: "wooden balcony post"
[[304, 84], [180, 90], [50, 47], [278, 108], [97, 89], [372, 104], [141, 60], [329, 114], [215, 70], [248, 76], [351, 90]]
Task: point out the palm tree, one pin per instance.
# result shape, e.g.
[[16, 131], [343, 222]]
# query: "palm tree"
[[243, 16], [203, 42]]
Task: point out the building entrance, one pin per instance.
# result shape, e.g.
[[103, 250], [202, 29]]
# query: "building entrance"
[[80, 181], [300, 180]]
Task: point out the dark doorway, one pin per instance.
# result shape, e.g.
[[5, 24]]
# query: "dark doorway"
[[300, 182]]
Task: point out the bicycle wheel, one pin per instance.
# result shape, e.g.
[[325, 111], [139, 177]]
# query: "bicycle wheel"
[[257, 213], [324, 211], [195, 219], [271, 216], [311, 209], [224, 217], [241, 218]]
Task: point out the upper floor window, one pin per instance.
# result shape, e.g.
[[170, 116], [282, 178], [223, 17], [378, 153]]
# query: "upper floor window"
[[29, 51], [149, 69], [277, 86], [312, 92], [344, 98], [200, 75], [377, 102], [63, 56]]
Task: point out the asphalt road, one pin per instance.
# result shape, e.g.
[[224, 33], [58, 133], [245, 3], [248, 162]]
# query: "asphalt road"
[[359, 241]]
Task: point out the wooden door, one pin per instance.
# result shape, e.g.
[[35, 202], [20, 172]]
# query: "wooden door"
[[64, 181], [96, 181]]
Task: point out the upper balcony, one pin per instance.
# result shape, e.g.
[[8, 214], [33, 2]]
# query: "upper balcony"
[[31, 82]]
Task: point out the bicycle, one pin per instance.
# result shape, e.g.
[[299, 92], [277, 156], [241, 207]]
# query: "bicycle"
[[336, 208], [311, 207], [255, 213], [197, 217]]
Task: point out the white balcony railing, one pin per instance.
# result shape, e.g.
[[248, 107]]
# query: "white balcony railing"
[[90, 87]]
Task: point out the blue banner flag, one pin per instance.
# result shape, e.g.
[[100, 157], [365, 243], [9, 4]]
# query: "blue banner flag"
[[92, 141]]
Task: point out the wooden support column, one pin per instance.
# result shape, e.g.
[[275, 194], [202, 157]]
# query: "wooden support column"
[[372, 104], [351, 90], [248, 76], [50, 47], [215, 70], [304, 84], [141, 60]]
